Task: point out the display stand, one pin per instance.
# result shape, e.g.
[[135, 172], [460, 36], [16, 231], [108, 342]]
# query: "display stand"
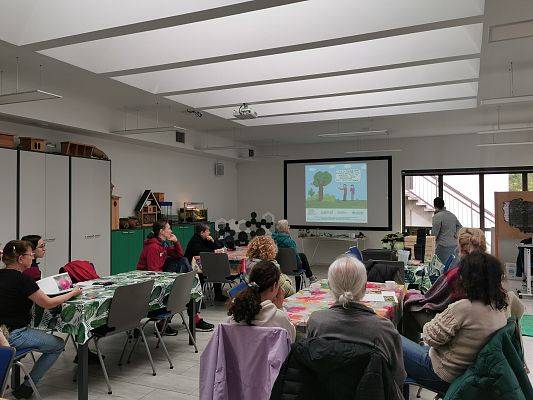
[[527, 268]]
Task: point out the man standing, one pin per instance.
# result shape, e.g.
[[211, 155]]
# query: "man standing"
[[352, 192], [445, 227]]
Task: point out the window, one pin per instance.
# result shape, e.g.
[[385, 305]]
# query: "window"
[[420, 190], [461, 197], [468, 193]]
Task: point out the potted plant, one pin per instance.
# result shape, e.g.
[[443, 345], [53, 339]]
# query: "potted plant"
[[393, 240]]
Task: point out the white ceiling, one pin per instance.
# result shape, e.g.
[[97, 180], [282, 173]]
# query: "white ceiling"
[[296, 61]]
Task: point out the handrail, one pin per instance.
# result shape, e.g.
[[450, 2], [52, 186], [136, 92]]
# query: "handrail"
[[462, 196], [455, 195]]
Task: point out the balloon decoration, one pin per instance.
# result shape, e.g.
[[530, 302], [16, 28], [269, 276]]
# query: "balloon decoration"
[[242, 231]]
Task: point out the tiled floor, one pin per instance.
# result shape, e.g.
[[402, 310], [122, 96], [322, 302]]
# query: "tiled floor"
[[135, 381]]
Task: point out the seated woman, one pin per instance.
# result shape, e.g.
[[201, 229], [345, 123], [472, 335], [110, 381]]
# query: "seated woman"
[[352, 321], [203, 242], [421, 308], [283, 239], [261, 304], [263, 248], [456, 335], [18, 293], [162, 252], [39, 249]]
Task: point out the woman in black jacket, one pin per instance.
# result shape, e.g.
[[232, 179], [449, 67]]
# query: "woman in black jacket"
[[203, 242]]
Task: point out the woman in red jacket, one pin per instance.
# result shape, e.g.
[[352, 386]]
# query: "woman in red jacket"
[[162, 251]]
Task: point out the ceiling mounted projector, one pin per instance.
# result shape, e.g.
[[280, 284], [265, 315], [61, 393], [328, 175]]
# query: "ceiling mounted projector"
[[244, 112]]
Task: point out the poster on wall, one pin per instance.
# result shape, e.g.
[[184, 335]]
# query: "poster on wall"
[[514, 218], [336, 193]]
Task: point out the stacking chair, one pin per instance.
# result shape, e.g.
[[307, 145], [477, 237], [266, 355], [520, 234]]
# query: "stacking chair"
[[179, 296], [7, 356], [216, 269], [288, 264], [129, 306]]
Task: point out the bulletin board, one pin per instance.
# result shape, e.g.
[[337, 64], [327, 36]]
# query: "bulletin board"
[[514, 218]]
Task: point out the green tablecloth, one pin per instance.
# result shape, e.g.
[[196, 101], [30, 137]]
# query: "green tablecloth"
[[90, 310], [418, 275]]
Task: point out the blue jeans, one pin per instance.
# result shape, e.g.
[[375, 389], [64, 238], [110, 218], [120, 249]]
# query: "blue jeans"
[[48, 345], [445, 252], [418, 366]]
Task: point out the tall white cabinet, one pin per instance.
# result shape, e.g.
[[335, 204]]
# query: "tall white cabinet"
[[90, 212], [44, 205], [8, 202]]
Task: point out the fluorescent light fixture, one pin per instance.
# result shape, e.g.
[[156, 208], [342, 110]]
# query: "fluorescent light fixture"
[[506, 100], [357, 133], [509, 130], [24, 97], [155, 129], [225, 148], [503, 144], [374, 151]]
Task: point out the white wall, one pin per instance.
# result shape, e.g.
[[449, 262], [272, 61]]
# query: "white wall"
[[182, 177], [260, 183]]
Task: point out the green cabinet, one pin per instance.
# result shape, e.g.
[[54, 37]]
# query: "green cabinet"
[[184, 233], [126, 247]]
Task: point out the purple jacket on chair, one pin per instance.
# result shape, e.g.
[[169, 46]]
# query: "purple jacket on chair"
[[242, 362]]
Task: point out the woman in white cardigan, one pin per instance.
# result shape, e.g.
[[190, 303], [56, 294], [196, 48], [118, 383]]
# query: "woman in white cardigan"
[[261, 303]]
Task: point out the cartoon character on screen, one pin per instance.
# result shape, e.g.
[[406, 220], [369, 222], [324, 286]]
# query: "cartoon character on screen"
[[352, 192], [344, 189]]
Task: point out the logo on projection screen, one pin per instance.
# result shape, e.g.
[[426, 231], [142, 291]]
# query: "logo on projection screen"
[[336, 193]]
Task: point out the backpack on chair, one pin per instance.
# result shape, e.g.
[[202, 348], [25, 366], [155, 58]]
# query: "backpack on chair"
[[80, 271]]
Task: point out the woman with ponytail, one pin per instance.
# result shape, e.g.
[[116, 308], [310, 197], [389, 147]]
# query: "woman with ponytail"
[[350, 320], [261, 303]]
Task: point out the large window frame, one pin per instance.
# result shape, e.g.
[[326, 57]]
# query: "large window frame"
[[481, 172]]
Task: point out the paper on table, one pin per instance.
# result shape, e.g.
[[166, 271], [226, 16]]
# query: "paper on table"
[[389, 296], [372, 296]]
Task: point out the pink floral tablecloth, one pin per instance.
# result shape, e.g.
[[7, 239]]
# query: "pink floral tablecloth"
[[302, 304]]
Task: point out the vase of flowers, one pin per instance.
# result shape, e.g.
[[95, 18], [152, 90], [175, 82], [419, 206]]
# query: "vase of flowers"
[[394, 241]]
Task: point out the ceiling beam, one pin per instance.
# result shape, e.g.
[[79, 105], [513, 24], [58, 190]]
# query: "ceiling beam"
[[175, 20], [410, 103], [325, 75], [336, 94], [303, 46]]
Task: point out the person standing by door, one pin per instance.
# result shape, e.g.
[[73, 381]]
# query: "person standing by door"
[[445, 227]]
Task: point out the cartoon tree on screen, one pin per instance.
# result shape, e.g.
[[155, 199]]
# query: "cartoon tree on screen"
[[311, 192], [321, 179]]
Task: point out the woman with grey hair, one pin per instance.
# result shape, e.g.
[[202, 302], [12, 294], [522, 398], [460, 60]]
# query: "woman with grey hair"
[[350, 320], [283, 239]]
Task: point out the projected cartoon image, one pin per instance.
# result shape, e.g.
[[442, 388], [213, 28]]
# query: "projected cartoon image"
[[336, 193]]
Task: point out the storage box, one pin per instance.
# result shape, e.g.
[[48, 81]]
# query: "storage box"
[[7, 140], [33, 144]]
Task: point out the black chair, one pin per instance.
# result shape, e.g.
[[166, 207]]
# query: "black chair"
[[384, 270], [129, 307], [379, 254], [216, 269], [288, 263]]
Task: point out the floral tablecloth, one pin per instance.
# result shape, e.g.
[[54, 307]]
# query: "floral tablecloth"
[[90, 310], [301, 305]]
